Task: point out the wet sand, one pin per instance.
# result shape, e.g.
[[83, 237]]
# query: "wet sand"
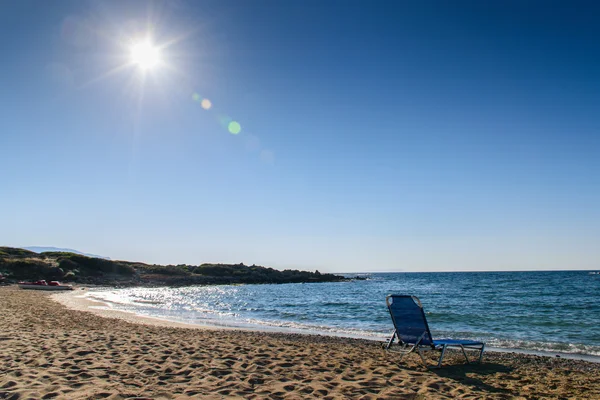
[[50, 351]]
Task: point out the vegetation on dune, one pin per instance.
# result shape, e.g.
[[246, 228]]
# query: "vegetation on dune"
[[12, 251], [18, 264]]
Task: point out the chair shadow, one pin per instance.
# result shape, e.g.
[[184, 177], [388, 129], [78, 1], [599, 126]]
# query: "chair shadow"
[[467, 374], [458, 372]]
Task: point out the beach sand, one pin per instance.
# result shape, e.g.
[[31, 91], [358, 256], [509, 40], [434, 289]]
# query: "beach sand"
[[50, 351]]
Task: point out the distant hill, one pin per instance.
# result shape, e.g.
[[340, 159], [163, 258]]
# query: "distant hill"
[[21, 264], [41, 249]]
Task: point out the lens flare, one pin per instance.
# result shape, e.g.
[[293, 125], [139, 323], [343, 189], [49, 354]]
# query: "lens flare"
[[206, 104], [234, 127]]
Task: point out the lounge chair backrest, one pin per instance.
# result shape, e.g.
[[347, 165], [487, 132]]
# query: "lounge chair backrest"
[[409, 319]]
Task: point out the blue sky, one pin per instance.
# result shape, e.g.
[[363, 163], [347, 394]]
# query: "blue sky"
[[383, 136]]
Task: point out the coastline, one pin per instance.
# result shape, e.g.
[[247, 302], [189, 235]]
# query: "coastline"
[[51, 351], [75, 300]]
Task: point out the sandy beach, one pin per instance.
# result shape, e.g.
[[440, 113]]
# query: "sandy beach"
[[51, 351]]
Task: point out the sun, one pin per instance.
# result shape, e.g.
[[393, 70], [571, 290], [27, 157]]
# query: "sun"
[[145, 55]]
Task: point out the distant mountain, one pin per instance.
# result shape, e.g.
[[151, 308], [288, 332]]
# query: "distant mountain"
[[41, 249]]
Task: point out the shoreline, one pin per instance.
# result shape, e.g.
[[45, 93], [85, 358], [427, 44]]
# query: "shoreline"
[[75, 301], [51, 351]]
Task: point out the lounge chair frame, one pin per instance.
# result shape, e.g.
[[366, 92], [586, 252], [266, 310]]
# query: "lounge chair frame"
[[421, 345]]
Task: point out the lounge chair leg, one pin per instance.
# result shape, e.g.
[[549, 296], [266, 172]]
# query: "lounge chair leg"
[[422, 358], [441, 357], [465, 354], [389, 343], [481, 353]]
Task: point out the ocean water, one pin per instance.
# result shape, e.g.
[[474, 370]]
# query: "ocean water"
[[556, 311]]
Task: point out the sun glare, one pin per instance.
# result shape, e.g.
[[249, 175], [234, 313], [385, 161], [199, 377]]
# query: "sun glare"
[[145, 55]]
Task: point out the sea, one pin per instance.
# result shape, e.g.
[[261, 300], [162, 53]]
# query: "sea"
[[542, 311]]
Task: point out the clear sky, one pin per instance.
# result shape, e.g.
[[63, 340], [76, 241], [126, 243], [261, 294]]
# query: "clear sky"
[[375, 136]]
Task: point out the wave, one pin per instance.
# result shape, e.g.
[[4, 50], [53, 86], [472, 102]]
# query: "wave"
[[550, 347]]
